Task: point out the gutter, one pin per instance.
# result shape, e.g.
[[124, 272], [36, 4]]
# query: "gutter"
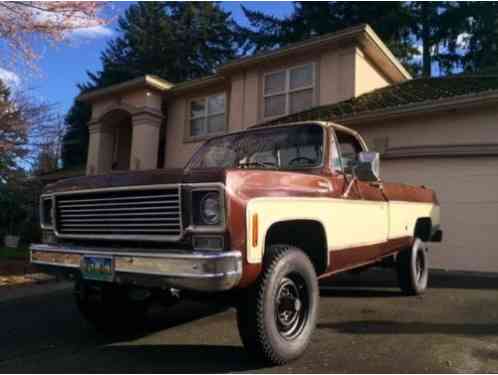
[[429, 106]]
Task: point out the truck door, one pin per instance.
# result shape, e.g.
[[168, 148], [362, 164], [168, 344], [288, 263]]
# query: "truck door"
[[365, 217]]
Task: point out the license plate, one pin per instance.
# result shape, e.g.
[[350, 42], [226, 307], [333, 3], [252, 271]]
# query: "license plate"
[[97, 268]]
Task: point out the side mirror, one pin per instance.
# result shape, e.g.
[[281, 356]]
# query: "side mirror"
[[368, 166]]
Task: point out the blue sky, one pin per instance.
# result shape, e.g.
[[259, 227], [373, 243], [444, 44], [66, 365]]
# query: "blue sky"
[[62, 67]]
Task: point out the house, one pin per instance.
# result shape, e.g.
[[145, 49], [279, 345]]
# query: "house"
[[441, 132]]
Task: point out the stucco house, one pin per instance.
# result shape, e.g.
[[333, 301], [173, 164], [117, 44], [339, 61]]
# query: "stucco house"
[[441, 132]]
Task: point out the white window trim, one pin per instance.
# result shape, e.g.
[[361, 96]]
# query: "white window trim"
[[205, 116], [287, 90]]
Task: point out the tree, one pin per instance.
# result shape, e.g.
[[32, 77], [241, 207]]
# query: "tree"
[[480, 38], [25, 22], [25, 126], [13, 133], [175, 41], [391, 20]]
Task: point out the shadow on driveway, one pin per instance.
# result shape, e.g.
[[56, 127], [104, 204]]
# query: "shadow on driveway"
[[371, 283], [410, 328]]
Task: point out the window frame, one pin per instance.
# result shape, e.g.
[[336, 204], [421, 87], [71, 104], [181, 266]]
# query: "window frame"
[[360, 141], [287, 92], [205, 115]]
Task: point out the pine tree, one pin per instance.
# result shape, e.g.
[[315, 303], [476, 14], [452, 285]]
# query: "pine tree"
[[480, 39], [175, 41]]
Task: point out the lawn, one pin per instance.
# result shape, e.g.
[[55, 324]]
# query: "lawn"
[[10, 253]]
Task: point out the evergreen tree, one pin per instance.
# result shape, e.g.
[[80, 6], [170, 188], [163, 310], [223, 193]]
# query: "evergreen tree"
[[480, 39], [175, 41]]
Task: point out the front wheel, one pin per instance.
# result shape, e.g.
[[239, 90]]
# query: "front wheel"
[[413, 268], [277, 315]]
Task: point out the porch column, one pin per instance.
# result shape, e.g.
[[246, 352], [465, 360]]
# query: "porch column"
[[100, 145], [145, 140]]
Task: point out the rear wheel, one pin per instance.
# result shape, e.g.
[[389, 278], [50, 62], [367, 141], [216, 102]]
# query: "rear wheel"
[[413, 268], [277, 315], [109, 307]]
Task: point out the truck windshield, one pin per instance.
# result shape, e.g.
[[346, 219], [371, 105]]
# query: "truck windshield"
[[288, 147]]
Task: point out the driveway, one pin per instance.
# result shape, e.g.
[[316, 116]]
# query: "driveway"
[[365, 325]]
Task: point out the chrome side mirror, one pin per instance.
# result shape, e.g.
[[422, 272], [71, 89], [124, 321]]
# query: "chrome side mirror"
[[368, 166]]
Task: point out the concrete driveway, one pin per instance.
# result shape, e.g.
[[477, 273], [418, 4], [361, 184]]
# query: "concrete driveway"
[[365, 325]]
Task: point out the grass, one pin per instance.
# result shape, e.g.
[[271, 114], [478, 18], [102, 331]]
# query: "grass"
[[10, 253]]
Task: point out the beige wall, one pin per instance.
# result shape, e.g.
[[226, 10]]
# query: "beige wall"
[[178, 152], [466, 126], [367, 76]]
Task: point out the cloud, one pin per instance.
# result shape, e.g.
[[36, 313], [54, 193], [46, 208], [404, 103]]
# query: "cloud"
[[92, 32], [9, 78]]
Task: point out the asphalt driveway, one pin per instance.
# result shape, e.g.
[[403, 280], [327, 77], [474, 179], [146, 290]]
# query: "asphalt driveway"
[[365, 325]]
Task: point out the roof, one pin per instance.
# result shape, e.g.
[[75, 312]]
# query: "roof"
[[147, 81], [361, 34], [415, 94]]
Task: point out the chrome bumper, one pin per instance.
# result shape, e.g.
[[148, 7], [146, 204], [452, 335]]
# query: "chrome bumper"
[[206, 271]]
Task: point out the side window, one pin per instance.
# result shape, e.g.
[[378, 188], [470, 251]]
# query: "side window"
[[349, 148]]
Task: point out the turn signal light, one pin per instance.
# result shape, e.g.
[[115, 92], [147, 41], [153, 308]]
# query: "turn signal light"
[[254, 230]]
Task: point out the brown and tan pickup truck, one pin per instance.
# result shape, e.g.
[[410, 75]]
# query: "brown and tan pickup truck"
[[258, 216]]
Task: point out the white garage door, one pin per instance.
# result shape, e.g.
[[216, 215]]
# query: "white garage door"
[[467, 189]]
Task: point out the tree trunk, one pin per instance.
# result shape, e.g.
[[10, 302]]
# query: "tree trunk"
[[426, 44]]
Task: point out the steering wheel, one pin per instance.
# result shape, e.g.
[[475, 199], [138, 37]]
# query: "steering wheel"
[[302, 158], [263, 164]]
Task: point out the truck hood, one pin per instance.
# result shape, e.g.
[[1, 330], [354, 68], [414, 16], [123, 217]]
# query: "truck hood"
[[136, 178]]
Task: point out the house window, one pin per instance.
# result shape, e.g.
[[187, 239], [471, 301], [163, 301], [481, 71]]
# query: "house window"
[[207, 115], [289, 91]]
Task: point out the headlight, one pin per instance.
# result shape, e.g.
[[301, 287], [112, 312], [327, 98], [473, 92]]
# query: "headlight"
[[46, 207], [210, 208]]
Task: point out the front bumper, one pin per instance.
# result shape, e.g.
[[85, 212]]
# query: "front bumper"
[[205, 271]]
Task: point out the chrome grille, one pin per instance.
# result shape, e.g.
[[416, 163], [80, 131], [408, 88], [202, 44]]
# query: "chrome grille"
[[146, 213]]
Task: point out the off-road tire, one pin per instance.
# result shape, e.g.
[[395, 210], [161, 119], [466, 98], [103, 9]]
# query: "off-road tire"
[[108, 307], [413, 268], [264, 332]]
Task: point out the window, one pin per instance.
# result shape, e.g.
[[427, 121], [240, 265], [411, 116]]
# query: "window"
[[289, 91], [349, 148], [286, 147], [207, 115]]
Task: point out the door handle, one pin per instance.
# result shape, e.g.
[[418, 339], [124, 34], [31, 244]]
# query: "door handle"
[[378, 184]]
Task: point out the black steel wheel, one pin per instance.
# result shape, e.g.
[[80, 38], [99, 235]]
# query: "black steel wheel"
[[292, 306], [413, 268], [277, 316]]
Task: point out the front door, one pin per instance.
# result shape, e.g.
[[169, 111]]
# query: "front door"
[[362, 229]]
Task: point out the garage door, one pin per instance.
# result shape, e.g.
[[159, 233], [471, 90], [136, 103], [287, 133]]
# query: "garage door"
[[467, 189]]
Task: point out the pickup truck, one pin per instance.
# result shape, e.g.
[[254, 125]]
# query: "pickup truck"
[[257, 217]]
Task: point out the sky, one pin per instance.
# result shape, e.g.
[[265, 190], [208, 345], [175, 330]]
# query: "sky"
[[63, 67]]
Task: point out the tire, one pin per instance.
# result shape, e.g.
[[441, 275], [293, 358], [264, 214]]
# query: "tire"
[[413, 268], [108, 307], [274, 325]]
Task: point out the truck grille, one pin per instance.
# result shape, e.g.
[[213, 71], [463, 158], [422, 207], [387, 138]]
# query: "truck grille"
[[134, 214]]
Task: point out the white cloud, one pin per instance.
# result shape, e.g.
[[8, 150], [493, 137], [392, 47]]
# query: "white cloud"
[[9, 78], [92, 32]]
